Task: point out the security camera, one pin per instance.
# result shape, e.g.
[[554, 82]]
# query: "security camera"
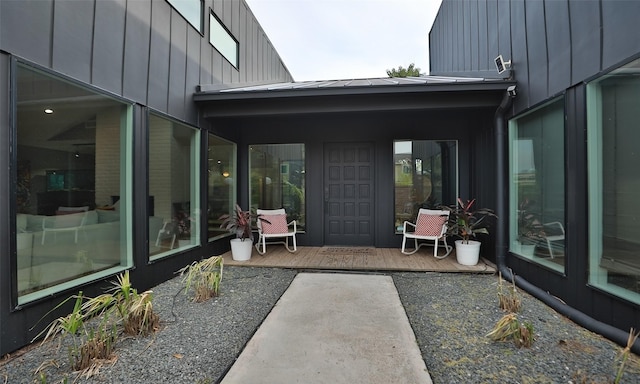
[[512, 91], [502, 65]]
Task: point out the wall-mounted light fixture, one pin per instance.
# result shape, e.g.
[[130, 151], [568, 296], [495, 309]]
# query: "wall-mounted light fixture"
[[48, 111]]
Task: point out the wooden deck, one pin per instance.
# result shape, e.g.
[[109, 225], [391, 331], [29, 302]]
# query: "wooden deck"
[[358, 259]]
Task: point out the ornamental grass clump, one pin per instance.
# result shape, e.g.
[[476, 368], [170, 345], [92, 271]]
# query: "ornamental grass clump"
[[509, 328], [626, 359], [508, 298], [90, 345], [122, 309], [204, 277]]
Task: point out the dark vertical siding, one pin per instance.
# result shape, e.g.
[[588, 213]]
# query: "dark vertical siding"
[[558, 47], [72, 38], [553, 44], [192, 72], [142, 50], [31, 45], [586, 48], [177, 64], [159, 53], [108, 41], [620, 32], [535, 43], [135, 74]]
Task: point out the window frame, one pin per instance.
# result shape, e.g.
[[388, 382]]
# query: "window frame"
[[175, 4], [598, 276], [220, 26], [515, 248], [127, 117]]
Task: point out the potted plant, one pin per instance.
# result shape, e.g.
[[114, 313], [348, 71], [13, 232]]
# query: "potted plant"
[[239, 222], [466, 223]]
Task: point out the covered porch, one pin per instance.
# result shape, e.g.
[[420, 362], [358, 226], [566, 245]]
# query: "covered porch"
[[358, 259]]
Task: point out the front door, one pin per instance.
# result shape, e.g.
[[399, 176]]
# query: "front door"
[[348, 194]]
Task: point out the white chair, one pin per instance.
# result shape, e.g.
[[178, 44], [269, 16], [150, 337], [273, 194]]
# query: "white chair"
[[556, 231], [67, 220], [275, 226], [431, 225]]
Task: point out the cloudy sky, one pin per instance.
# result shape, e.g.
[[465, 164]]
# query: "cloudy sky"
[[347, 39]]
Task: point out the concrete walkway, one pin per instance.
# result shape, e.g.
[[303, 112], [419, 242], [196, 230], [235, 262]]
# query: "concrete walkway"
[[333, 328]]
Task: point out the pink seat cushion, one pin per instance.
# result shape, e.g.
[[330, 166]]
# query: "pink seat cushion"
[[277, 224], [429, 225]]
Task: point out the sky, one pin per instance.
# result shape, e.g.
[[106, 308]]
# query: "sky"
[[347, 39]]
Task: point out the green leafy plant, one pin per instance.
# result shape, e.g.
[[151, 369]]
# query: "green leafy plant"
[[464, 222], [509, 328], [204, 277]]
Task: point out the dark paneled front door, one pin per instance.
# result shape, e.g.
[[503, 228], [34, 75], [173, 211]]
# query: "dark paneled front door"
[[348, 194]]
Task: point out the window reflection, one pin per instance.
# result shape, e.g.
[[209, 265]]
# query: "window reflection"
[[537, 186], [614, 209], [278, 179], [72, 195], [221, 183], [425, 174], [173, 176]]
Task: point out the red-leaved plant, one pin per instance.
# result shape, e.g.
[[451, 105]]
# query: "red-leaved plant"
[[239, 222], [466, 223]]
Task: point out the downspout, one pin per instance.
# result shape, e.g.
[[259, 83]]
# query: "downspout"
[[502, 210]]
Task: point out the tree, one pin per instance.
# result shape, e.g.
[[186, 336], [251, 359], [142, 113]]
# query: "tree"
[[411, 70]]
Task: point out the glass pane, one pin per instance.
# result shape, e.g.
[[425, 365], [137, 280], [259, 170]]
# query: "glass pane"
[[173, 192], [191, 10], [614, 182], [426, 176], [72, 149], [537, 180], [223, 41], [278, 179], [221, 183]]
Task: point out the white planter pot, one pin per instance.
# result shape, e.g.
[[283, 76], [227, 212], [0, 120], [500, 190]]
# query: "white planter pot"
[[241, 250], [467, 253]]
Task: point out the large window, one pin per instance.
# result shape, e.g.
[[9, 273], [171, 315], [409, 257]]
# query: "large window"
[[426, 176], [614, 181], [191, 10], [537, 193], [278, 179], [174, 174], [73, 195], [221, 183], [222, 40]]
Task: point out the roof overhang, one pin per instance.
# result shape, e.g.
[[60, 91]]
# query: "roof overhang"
[[361, 95]]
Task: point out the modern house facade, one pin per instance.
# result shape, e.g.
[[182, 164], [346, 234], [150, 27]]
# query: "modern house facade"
[[568, 200], [129, 127]]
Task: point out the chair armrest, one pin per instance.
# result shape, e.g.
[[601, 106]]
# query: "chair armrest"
[[404, 226], [295, 225]]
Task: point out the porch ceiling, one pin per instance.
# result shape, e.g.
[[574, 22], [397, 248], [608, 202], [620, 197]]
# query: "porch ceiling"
[[362, 95]]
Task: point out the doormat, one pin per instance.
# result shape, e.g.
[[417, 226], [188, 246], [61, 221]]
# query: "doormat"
[[348, 251]]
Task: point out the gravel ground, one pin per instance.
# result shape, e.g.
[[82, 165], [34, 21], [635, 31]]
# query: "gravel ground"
[[450, 315]]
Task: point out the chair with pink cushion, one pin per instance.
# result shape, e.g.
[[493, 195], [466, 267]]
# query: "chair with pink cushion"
[[272, 224], [430, 226]]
